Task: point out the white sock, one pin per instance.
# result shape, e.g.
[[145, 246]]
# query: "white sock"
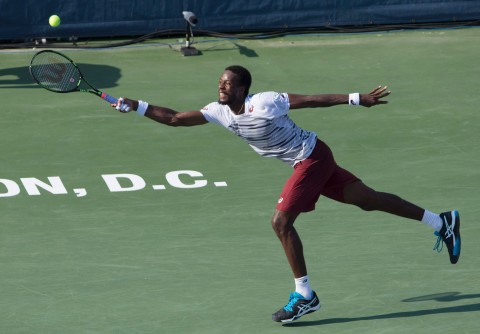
[[302, 286], [433, 220]]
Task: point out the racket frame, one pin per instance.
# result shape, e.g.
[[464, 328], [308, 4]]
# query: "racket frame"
[[82, 78]]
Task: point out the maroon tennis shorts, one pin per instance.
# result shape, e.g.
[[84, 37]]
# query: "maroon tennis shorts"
[[317, 175]]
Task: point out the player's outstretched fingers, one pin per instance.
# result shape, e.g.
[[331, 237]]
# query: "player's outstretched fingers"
[[380, 91]]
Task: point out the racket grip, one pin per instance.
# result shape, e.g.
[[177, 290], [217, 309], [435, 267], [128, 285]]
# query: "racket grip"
[[109, 98]]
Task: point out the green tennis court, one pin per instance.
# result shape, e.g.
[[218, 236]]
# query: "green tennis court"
[[112, 223]]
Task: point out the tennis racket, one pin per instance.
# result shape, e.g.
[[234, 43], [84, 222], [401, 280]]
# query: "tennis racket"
[[57, 73]]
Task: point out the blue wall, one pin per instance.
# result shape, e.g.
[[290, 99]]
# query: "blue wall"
[[28, 19]]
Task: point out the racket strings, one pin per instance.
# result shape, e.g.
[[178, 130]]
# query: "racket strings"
[[55, 72]]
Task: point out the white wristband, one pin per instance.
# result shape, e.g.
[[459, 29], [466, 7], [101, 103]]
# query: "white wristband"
[[354, 99], [142, 107]]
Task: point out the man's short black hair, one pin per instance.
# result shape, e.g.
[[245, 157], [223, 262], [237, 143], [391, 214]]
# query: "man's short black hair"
[[243, 75]]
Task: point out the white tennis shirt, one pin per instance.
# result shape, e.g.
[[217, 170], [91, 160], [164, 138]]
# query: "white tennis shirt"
[[266, 126]]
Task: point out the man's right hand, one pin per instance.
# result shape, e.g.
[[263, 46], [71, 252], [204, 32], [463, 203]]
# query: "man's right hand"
[[124, 105]]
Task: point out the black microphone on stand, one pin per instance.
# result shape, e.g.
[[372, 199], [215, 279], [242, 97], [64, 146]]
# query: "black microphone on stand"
[[192, 20]]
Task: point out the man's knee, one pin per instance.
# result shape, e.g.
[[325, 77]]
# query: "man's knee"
[[282, 222], [361, 196], [279, 224], [367, 206]]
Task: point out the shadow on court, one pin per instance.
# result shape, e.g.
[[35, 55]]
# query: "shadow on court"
[[102, 76], [246, 51], [243, 50], [442, 297]]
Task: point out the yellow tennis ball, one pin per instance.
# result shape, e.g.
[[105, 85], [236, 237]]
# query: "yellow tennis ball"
[[54, 20]]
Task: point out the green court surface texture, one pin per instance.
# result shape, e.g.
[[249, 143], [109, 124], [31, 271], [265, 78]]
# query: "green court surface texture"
[[112, 223]]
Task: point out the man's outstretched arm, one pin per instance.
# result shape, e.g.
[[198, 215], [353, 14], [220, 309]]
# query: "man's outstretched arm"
[[327, 100], [163, 115]]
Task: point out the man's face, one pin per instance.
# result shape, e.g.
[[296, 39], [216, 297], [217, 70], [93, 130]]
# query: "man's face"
[[229, 92]]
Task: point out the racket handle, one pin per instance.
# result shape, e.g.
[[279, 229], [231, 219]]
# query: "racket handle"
[[109, 98]]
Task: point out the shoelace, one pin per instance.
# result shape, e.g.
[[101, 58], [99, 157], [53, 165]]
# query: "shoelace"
[[439, 244], [293, 299]]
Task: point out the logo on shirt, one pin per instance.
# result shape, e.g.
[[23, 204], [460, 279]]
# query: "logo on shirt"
[[250, 109], [280, 200]]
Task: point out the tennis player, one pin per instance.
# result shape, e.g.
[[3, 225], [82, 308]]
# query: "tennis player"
[[262, 121]]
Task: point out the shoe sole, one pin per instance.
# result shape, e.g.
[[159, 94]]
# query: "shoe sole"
[[295, 317], [458, 241]]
